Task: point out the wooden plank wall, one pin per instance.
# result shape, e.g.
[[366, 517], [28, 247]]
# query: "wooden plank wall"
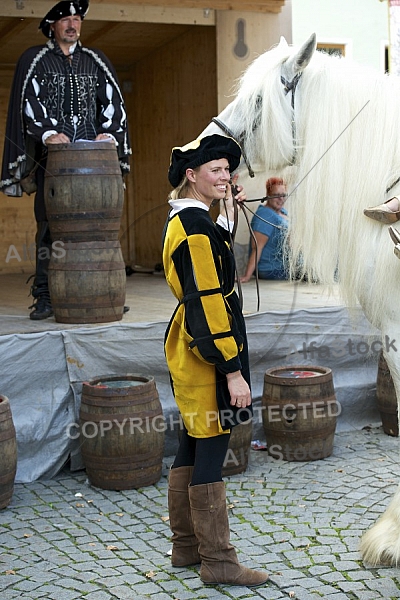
[[170, 96], [174, 98], [17, 252]]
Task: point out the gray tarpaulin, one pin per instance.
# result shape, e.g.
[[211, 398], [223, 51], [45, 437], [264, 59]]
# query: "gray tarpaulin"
[[42, 374]]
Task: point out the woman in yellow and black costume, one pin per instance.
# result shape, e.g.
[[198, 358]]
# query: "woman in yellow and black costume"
[[207, 356], [206, 338]]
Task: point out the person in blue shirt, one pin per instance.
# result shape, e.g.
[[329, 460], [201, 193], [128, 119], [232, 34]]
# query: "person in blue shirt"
[[269, 225]]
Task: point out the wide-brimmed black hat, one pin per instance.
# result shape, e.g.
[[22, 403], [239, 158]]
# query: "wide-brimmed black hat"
[[65, 8], [201, 151]]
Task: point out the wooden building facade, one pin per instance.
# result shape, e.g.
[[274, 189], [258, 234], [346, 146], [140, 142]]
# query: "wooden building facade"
[[177, 63]]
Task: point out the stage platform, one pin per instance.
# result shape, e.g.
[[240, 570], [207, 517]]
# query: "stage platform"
[[149, 299], [44, 363]]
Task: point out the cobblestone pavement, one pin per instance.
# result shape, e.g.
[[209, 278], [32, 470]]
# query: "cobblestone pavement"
[[62, 539]]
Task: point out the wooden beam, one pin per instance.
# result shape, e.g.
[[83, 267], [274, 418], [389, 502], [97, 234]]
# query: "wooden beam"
[[190, 12], [127, 11], [123, 11], [274, 6]]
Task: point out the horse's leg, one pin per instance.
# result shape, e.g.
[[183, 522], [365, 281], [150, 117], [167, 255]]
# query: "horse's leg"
[[380, 545]]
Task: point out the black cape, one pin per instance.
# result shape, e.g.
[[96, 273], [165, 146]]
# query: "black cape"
[[21, 152]]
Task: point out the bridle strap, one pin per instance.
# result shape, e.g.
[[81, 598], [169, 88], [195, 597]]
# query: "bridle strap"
[[232, 240], [290, 86], [256, 255], [258, 216], [228, 132]]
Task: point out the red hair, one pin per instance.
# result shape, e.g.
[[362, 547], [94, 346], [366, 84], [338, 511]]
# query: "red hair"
[[271, 182]]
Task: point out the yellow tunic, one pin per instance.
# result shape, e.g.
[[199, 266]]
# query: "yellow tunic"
[[206, 336]]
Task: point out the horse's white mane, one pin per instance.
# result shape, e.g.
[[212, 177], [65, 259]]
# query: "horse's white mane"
[[261, 100], [348, 152]]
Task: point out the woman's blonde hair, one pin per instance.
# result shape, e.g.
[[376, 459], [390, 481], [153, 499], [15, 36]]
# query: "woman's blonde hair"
[[181, 190]]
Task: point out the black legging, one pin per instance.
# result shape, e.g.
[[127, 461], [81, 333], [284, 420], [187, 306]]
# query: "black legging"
[[39, 204], [206, 455]]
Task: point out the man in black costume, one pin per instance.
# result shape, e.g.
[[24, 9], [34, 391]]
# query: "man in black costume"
[[62, 92]]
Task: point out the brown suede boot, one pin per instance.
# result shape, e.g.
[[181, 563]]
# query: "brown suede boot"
[[219, 563], [185, 545]]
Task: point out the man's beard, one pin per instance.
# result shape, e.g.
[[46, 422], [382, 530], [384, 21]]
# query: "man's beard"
[[70, 37]]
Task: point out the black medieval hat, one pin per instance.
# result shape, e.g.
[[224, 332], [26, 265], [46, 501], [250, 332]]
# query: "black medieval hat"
[[200, 151], [65, 8]]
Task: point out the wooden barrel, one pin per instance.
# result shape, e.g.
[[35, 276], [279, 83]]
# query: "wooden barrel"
[[121, 432], [84, 191], [387, 399], [87, 282], [237, 456], [8, 453], [299, 412]]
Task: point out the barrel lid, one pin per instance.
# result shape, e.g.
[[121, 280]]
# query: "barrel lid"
[[298, 374], [114, 382], [82, 145], [122, 383]]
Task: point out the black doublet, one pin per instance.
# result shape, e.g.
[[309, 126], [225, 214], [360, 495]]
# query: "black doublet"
[[80, 98]]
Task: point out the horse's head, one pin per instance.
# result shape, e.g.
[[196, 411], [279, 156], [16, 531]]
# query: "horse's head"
[[261, 118]]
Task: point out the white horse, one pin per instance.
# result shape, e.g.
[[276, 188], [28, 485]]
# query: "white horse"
[[332, 128]]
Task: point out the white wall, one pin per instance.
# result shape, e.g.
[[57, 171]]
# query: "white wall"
[[362, 23], [261, 32]]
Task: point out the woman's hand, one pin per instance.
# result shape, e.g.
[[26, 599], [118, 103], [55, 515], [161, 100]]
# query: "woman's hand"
[[238, 390], [240, 197]]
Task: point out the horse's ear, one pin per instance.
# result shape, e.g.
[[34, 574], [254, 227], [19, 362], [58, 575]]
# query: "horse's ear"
[[302, 57]]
